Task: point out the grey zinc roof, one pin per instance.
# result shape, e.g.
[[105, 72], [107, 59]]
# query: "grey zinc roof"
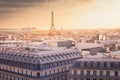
[[93, 60], [40, 57], [99, 59]]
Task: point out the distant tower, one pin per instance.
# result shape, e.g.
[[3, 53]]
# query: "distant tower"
[[52, 28]]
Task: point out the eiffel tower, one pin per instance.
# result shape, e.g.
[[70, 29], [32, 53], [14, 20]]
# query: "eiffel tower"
[[52, 22], [52, 30]]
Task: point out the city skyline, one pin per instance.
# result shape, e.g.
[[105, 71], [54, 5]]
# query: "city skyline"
[[69, 14]]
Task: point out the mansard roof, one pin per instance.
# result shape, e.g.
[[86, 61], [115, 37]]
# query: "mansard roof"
[[94, 61], [40, 57], [105, 59]]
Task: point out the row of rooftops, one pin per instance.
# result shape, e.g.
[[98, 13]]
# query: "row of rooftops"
[[46, 45], [41, 57], [39, 54]]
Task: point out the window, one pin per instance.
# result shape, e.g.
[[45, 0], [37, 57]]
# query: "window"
[[116, 65], [58, 57], [75, 79], [101, 73], [81, 72], [112, 64], [44, 66], [58, 70], [98, 64], [50, 57], [49, 72], [116, 73], [81, 78], [45, 73], [94, 72], [52, 64], [88, 64], [57, 63], [38, 74], [88, 79], [85, 64], [108, 65], [105, 64], [58, 77], [91, 64], [42, 59], [75, 72], [107, 73], [38, 66], [18, 70], [94, 64], [26, 72], [82, 64], [65, 76], [72, 61], [14, 77], [88, 73], [68, 62], [45, 58]]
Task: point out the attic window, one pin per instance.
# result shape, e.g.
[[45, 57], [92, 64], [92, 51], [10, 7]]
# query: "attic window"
[[45, 58]]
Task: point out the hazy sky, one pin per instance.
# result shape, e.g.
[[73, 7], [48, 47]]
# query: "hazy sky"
[[67, 13]]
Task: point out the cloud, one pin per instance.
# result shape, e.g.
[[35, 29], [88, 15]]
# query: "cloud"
[[8, 7], [30, 3], [14, 6], [19, 3]]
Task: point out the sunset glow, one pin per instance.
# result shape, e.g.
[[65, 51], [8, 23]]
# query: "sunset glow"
[[69, 14]]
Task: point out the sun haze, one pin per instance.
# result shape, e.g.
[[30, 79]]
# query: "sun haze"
[[68, 14]]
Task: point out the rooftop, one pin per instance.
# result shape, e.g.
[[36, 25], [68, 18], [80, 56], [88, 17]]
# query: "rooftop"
[[88, 45], [41, 56], [107, 42], [100, 59]]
